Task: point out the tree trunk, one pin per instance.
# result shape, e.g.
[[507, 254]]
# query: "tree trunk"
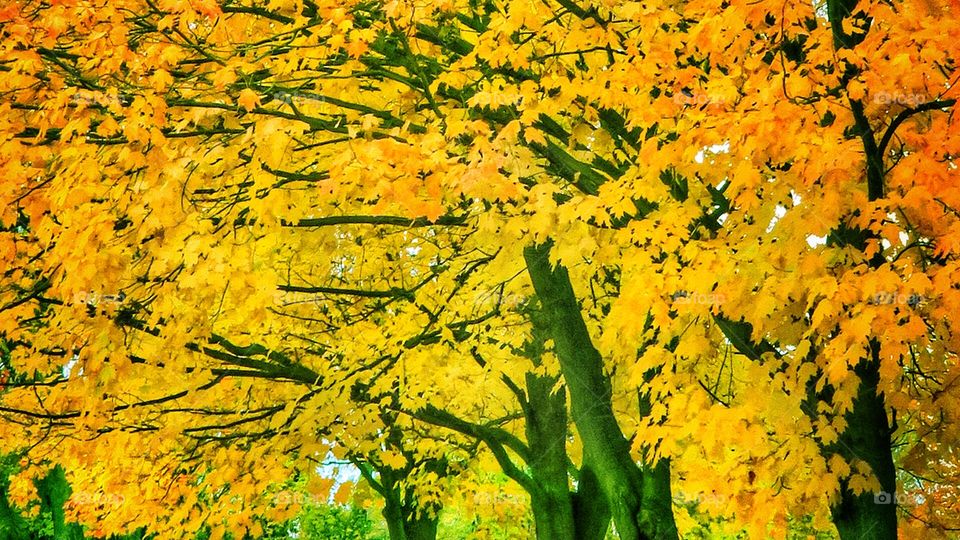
[[53, 491], [420, 528], [12, 525], [868, 516], [394, 518], [605, 448], [403, 522], [559, 513], [591, 513], [546, 427]]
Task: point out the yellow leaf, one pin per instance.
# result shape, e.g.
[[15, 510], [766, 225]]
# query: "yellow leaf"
[[856, 89], [394, 460], [343, 493], [248, 99]]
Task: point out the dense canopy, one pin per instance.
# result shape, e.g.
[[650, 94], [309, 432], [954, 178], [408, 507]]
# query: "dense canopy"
[[672, 269]]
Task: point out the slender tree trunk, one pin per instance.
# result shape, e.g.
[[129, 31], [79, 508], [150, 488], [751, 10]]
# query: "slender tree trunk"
[[657, 497], [622, 482]]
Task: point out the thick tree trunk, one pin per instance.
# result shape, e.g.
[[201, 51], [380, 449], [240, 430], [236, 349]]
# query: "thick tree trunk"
[[53, 491], [868, 516], [559, 513], [546, 428], [12, 525], [420, 528], [552, 519], [394, 518], [591, 513], [605, 448], [403, 522]]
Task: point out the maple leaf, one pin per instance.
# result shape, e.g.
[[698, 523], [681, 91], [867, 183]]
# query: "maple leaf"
[[248, 99]]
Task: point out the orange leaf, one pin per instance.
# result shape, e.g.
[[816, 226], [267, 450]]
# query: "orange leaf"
[[248, 99]]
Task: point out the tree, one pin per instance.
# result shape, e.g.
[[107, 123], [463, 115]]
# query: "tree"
[[243, 234]]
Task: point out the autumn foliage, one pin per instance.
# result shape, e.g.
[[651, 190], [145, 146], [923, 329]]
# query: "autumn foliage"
[[673, 269]]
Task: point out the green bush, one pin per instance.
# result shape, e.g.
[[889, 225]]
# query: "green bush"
[[330, 522]]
